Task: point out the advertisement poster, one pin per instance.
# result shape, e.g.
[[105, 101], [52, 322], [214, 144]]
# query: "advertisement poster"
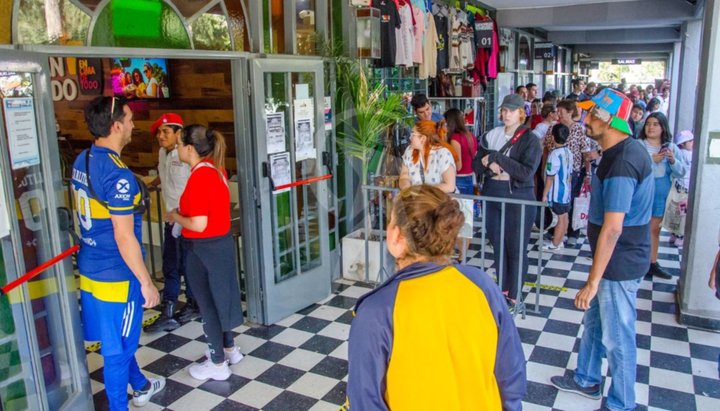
[[22, 131], [280, 170], [304, 130], [275, 126], [90, 74], [140, 78]]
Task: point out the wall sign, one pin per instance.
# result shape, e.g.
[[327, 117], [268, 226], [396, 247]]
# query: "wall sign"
[[626, 62], [90, 76], [22, 133], [63, 84], [484, 34], [545, 51]]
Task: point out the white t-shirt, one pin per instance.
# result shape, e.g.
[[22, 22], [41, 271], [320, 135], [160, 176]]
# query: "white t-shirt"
[[496, 139], [541, 129], [174, 175], [439, 160], [149, 88], [404, 38]]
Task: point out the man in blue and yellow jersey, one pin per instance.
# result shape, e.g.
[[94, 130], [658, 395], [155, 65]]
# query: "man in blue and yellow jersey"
[[436, 335], [115, 284]]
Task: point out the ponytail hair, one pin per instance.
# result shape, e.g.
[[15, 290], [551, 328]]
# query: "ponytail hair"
[[207, 142], [429, 219], [436, 134]]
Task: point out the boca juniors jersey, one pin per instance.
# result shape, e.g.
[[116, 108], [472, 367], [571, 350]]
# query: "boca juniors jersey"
[[117, 193]]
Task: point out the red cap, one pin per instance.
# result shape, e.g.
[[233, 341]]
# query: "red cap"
[[169, 119]]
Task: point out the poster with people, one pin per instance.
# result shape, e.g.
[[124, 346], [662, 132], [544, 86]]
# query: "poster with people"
[[280, 170], [275, 125], [140, 78], [304, 110]]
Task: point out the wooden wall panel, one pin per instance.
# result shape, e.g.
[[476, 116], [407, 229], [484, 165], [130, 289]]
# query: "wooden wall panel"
[[201, 92]]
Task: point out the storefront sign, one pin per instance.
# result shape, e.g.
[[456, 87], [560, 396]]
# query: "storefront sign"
[[626, 62], [275, 126], [304, 129], [484, 34], [4, 218], [63, 84], [22, 133], [90, 76], [545, 51]]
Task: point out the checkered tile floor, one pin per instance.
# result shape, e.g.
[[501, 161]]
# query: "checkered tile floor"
[[300, 363]]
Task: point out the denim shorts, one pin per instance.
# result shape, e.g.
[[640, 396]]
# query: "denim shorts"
[[559, 208]]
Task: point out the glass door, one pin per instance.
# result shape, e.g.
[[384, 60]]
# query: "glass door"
[[293, 173], [42, 357]]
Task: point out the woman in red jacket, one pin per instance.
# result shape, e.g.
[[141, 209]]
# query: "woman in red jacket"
[[204, 215]]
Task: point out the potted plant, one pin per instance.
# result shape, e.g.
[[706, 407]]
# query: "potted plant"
[[369, 110]]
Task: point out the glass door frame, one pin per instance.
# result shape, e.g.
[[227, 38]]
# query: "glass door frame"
[[283, 298], [62, 273]]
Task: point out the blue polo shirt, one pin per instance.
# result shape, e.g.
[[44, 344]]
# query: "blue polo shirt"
[[624, 183]]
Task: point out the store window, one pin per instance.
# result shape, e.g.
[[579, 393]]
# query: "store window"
[[274, 27], [305, 26], [200, 24], [524, 57]]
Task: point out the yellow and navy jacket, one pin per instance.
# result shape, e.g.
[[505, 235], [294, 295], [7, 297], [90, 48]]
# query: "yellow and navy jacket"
[[435, 337], [115, 186]]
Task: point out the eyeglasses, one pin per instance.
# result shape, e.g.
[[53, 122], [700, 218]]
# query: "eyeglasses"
[[112, 107]]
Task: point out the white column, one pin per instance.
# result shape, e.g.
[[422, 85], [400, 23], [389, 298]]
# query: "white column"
[[698, 305], [683, 97]]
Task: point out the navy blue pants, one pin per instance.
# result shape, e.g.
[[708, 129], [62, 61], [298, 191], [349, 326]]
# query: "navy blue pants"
[[212, 271], [173, 266], [513, 259]]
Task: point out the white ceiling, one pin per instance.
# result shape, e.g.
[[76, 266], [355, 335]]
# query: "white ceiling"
[[530, 4]]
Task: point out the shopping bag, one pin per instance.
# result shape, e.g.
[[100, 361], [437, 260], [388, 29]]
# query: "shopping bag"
[[581, 209], [675, 211]]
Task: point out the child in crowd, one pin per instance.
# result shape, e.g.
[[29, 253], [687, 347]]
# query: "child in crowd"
[[558, 184], [684, 141]]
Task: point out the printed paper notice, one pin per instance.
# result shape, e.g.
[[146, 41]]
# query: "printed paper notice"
[[304, 129], [328, 113], [275, 125], [280, 170], [22, 132], [4, 217]]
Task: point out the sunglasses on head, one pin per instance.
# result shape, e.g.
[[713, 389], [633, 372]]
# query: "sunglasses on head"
[[601, 114], [112, 107]]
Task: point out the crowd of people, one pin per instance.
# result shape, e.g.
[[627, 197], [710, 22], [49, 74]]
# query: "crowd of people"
[[582, 142]]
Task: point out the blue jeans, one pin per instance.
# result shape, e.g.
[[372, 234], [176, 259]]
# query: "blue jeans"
[[173, 265], [465, 186], [610, 331]]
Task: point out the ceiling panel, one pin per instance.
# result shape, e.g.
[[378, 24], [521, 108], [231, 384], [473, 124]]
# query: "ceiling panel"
[[530, 4]]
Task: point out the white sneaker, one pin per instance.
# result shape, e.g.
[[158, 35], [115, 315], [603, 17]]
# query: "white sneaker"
[[141, 398], [233, 357], [549, 246], [209, 370]]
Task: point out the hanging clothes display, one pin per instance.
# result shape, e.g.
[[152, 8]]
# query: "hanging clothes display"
[[389, 22], [467, 42], [440, 15], [405, 40], [428, 67], [455, 23], [420, 27]]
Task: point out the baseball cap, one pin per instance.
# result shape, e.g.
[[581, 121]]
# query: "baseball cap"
[[616, 104], [513, 102], [683, 137], [168, 119]]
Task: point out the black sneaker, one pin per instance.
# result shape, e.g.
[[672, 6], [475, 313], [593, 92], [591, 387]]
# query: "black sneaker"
[[165, 321], [189, 312], [567, 383], [657, 271]]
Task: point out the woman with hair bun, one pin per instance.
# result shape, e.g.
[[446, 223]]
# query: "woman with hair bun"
[[410, 345], [204, 215]]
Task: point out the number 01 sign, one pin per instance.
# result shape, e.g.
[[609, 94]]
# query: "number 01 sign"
[[484, 34]]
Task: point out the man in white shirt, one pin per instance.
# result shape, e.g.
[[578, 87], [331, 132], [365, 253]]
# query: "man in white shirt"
[[173, 175]]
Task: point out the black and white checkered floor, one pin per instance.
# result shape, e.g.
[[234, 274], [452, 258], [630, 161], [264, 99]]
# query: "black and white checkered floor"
[[300, 363]]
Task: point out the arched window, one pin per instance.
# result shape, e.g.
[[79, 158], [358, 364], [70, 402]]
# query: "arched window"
[[185, 24]]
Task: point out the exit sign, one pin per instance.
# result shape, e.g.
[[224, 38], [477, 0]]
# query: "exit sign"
[[626, 62]]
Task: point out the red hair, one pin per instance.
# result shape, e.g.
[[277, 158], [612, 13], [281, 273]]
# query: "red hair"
[[436, 134]]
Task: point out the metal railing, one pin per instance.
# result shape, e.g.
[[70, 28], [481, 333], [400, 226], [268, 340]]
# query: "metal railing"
[[374, 199]]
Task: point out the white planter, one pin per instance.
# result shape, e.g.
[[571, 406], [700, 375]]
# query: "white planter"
[[353, 256]]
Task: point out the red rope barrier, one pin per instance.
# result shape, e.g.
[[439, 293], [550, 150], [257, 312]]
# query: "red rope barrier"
[[303, 182], [37, 270]]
